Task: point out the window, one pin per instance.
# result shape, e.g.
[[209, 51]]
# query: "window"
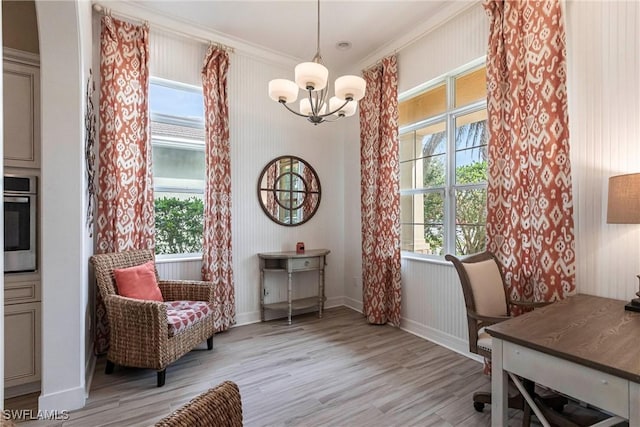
[[443, 166], [177, 138]]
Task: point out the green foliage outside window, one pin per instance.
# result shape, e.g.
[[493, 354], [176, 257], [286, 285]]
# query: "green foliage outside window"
[[470, 209], [179, 225]]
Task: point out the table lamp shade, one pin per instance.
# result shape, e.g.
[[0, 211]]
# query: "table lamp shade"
[[623, 206]]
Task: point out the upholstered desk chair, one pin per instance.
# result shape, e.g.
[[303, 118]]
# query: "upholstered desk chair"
[[153, 333], [218, 407], [486, 301]]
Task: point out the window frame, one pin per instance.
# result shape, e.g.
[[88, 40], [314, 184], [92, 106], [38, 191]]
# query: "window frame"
[[180, 143], [449, 117]]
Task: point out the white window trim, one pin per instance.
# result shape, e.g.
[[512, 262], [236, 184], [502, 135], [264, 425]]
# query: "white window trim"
[[181, 143], [449, 189]]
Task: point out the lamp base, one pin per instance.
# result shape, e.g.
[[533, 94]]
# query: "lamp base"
[[634, 305]]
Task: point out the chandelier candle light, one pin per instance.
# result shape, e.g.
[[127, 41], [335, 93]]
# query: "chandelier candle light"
[[312, 77]]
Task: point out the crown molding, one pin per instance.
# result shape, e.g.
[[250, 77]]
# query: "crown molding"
[[175, 25], [453, 9]]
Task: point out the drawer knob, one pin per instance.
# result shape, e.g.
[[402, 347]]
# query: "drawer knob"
[[605, 382], [517, 351], [306, 263]]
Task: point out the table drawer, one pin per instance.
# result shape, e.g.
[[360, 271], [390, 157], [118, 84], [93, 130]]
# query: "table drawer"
[[305, 263], [603, 390]]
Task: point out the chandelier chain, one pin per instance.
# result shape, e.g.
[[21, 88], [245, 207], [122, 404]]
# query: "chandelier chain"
[[318, 36]]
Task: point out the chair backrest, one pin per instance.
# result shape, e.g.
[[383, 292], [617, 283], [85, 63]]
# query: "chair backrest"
[[483, 288], [104, 265], [217, 407]]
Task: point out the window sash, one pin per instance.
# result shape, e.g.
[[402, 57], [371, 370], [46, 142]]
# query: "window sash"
[[450, 187]]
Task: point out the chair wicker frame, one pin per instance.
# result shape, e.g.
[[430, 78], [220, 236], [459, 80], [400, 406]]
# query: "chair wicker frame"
[[138, 334], [217, 407]]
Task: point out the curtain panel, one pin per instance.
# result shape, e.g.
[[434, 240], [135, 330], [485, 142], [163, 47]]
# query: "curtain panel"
[[125, 217], [216, 247], [380, 194], [530, 205]]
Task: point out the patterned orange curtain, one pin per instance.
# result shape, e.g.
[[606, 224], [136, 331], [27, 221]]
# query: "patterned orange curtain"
[[380, 194], [125, 188], [216, 246], [530, 205]]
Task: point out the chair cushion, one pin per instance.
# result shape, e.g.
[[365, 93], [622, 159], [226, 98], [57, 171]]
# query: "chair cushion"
[[183, 314], [487, 288], [484, 340], [138, 282]]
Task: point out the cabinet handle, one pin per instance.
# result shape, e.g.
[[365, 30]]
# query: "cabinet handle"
[[306, 263]]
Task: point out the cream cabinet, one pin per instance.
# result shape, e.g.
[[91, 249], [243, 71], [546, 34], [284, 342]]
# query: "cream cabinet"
[[22, 334], [21, 109]]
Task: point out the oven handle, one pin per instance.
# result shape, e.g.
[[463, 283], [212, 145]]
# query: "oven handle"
[[16, 199]]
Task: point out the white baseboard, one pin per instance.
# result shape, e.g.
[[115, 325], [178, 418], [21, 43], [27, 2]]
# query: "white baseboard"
[[89, 369], [254, 316], [353, 304], [334, 302], [438, 337], [247, 318], [64, 400]]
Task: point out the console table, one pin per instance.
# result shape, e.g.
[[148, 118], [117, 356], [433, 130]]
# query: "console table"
[[584, 346], [292, 262]]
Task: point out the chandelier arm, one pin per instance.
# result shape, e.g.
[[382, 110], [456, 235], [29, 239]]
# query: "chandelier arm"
[[294, 112], [336, 110], [334, 120]]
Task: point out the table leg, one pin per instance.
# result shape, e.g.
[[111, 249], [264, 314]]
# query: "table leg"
[[634, 404], [262, 295], [499, 386], [289, 294], [321, 292]]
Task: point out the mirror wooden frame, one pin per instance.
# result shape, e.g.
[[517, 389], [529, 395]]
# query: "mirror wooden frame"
[[289, 190]]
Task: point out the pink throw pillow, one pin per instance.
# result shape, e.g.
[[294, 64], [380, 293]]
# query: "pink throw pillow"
[[138, 282]]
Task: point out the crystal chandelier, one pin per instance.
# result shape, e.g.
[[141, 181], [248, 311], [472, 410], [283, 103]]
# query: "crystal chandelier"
[[312, 77]]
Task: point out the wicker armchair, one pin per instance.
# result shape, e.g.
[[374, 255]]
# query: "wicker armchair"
[[139, 331], [218, 407]]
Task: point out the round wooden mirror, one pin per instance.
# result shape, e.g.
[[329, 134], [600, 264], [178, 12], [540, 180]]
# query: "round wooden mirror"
[[289, 190]]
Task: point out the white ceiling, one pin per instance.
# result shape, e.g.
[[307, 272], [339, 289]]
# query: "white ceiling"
[[289, 27]]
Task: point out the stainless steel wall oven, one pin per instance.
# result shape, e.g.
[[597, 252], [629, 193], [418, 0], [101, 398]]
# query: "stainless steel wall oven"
[[20, 210]]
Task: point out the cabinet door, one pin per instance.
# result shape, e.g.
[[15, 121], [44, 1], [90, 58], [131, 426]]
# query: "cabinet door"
[[21, 344], [21, 105]]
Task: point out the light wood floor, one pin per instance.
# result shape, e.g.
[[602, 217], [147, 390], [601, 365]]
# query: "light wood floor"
[[335, 371]]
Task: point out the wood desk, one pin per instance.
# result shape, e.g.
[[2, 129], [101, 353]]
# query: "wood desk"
[[586, 347], [292, 262]]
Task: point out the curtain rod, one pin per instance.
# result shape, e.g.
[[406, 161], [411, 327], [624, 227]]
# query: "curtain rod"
[[106, 11]]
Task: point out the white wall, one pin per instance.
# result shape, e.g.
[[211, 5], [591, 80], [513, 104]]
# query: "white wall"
[[432, 299], [64, 281], [261, 130], [604, 95], [604, 119]]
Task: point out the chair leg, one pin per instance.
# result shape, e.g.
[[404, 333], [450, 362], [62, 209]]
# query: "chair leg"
[[480, 399], [210, 343], [162, 375], [109, 368], [529, 387]]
